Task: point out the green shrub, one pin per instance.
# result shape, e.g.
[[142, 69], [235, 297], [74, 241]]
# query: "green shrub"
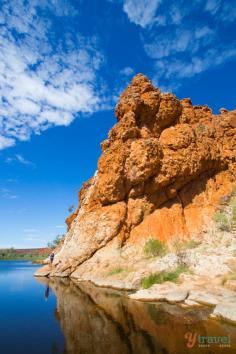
[[159, 278], [147, 282], [222, 220], [192, 244], [54, 243], [224, 227], [233, 207], [153, 248], [115, 271], [177, 245], [230, 276]]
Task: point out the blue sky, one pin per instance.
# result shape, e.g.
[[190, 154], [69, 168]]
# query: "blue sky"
[[63, 65]]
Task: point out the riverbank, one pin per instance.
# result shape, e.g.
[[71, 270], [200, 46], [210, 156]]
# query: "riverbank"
[[161, 208], [36, 255], [196, 274], [130, 326], [79, 317]]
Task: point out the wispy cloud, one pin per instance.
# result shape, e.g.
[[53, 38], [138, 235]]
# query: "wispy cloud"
[[142, 13], [33, 239], [30, 230], [32, 234], [44, 80], [7, 194], [21, 159], [183, 39], [212, 6], [127, 71]]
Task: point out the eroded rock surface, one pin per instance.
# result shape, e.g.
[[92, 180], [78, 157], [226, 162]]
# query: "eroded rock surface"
[[163, 170]]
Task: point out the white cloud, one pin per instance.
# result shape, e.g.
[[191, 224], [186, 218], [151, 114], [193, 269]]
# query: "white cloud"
[[176, 14], [179, 40], [141, 13], [202, 32], [23, 160], [176, 69], [19, 158], [43, 81], [14, 196], [7, 194], [127, 71], [183, 40], [31, 238], [30, 230], [227, 11], [6, 142], [212, 6]]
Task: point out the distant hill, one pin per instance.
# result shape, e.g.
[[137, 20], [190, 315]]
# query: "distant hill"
[[34, 254], [42, 251]]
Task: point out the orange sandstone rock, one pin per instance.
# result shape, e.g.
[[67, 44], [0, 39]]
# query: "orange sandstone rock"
[[162, 172]]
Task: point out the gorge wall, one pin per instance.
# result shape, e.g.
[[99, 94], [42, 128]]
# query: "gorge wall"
[[163, 170]]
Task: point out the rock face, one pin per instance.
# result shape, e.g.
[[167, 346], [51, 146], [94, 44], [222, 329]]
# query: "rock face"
[[163, 170]]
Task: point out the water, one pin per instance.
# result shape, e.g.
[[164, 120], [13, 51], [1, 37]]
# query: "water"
[[58, 316], [28, 324]]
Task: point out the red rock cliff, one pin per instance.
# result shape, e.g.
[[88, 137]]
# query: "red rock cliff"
[[162, 172]]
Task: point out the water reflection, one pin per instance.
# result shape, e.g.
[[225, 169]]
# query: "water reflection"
[[47, 292], [101, 321], [28, 324]]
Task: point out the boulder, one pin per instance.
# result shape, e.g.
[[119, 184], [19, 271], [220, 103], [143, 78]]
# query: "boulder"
[[203, 298], [226, 311], [176, 296], [44, 271]]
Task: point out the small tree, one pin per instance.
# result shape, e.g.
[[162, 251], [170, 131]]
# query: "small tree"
[[71, 208], [222, 221], [154, 247], [54, 243]]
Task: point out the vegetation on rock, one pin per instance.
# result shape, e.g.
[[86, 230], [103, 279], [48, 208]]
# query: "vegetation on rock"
[[226, 216], [230, 276], [54, 243], [115, 271], [154, 248], [192, 244], [222, 220], [159, 278]]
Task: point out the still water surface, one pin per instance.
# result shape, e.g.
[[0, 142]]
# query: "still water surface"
[[60, 317]]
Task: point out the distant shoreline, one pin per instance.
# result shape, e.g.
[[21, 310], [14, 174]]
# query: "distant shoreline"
[[36, 255]]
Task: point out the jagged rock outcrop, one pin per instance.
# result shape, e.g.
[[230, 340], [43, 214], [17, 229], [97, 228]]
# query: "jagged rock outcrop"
[[162, 172]]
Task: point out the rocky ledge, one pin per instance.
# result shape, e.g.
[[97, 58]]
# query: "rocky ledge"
[[192, 292], [166, 172]]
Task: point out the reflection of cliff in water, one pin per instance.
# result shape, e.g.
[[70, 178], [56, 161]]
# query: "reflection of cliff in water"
[[96, 320]]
